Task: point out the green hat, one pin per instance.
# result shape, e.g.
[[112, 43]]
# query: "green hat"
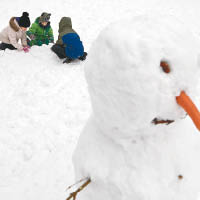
[[45, 17]]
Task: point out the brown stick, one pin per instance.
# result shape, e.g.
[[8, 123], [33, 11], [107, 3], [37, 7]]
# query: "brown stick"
[[76, 183], [74, 194], [157, 121]]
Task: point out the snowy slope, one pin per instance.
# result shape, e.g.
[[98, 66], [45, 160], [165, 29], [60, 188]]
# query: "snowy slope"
[[43, 108], [43, 104]]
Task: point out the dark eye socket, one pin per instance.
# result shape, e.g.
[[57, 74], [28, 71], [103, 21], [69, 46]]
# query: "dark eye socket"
[[165, 66]]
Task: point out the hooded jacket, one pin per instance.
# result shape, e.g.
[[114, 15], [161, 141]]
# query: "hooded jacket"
[[65, 27], [12, 33], [40, 32]]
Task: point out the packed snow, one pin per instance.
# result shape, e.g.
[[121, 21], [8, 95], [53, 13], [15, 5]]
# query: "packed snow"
[[43, 108], [45, 105], [121, 150]]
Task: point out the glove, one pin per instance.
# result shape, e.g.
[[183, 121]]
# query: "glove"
[[27, 46], [26, 49], [46, 41], [32, 37], [39, 43], [51, 40]]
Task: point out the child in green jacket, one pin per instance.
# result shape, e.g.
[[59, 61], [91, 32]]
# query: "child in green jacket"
[[41, 32]]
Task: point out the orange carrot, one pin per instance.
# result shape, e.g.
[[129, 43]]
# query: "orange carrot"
[[186, 103]]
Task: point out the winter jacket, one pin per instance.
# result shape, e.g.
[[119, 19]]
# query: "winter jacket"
[[12, 34], [73, 46], [69, 39], [65, 26], [43, 35]]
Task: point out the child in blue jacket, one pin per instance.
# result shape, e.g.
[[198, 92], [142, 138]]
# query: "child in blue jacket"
[[68, 45]]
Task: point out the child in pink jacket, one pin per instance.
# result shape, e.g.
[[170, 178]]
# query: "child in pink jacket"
[[16, 31]]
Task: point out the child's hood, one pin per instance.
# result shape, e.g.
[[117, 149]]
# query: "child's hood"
[[13, 24], [37, 21], [65, 22]]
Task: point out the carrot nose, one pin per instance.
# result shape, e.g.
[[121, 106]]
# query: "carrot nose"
[[186, 103]]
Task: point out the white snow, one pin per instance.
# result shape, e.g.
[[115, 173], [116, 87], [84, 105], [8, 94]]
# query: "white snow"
[[44, 104], [124, 154]]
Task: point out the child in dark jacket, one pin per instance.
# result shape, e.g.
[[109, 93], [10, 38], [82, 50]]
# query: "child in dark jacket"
[[41, 32], [68, 44]]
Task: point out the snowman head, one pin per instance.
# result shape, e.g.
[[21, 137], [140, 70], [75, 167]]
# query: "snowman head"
[[136, 70]]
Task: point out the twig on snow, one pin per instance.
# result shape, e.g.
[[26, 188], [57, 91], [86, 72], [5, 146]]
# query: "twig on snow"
[[74, 194]]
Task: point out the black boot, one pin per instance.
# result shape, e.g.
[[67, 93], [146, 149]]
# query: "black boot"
[[67, 60], [83, 57]]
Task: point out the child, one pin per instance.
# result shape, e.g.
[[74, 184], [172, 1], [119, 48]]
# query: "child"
[[15, 31], [41, 32], [68, 44]]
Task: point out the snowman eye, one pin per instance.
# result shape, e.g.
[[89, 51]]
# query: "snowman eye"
[[165, 66]]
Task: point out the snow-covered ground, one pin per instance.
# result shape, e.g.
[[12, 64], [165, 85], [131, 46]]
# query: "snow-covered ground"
[[44, 104]]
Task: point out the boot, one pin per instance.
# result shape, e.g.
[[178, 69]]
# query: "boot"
[[83, 57], [67, 60]]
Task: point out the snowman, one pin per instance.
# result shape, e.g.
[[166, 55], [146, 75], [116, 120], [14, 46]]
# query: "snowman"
[[141, 141]]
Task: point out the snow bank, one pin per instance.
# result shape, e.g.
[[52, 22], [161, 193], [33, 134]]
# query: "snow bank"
[[126, 156], [44, 106]]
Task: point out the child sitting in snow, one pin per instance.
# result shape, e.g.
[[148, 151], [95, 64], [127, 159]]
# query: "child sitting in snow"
[[68, 44], [15, 31], [41, 32]]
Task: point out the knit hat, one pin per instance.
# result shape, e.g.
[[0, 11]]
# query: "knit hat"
[[24, 20], [45, 17]]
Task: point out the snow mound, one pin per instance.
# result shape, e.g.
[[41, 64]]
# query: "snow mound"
[[44, 106], [124, 153]]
